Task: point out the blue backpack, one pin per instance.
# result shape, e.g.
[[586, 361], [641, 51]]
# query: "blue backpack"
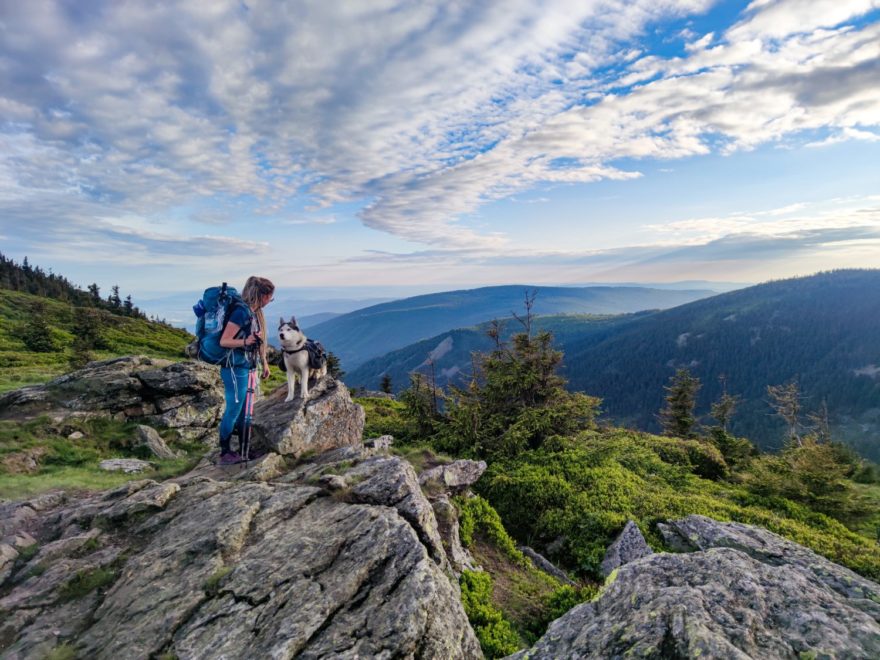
[[212, 313]]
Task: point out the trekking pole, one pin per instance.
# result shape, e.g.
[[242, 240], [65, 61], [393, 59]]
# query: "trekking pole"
[[248, 416]]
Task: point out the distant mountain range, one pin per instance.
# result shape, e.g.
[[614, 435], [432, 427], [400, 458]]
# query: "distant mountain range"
[[373, 331], [823, 330]]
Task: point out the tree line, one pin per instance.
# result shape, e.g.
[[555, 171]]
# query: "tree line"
[[27, 278]]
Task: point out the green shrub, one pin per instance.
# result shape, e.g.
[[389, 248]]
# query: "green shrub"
[[812, 473], [516, 402], [583, 493], [385, 417], [85, 582], [496, 635], [212, 584], [476, 514], [737, 452]]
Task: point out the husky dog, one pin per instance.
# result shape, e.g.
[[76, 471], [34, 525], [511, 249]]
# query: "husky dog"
[[295, 358]]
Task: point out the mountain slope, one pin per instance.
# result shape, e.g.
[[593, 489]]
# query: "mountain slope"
[[119, 335], [823, 330], [451, 351], [373, 331]]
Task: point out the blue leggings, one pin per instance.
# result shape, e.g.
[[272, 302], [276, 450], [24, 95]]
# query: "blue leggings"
[[235, 381]]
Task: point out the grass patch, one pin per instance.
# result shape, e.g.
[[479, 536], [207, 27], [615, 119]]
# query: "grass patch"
[[72, 465], [212, 584], [421, 457], [85, 582], [120, 335], [62, 652], [28, 553], [384, 417]]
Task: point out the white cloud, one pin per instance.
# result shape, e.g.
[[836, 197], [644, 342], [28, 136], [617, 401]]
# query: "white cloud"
[[420, 111], [831, 215]]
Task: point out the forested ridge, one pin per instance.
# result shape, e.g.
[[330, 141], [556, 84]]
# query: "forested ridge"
[[822, 331], [28, 278]]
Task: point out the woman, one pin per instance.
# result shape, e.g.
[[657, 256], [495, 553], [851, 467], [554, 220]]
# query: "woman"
[[244, 335]]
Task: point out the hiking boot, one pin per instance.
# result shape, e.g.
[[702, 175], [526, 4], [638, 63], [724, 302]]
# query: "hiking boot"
[[230, 458]]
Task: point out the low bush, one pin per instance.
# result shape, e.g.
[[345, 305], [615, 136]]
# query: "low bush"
[[581, 495], [495, 633], [86, 581]]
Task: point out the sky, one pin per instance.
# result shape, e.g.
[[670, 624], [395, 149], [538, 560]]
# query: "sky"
[[165, 146]]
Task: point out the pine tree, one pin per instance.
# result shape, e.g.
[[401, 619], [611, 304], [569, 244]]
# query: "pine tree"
[[385, 384], [334, 367], [114, 299], [128, 306], [35, 333], [786, 402], [723, 409], [677, 417]]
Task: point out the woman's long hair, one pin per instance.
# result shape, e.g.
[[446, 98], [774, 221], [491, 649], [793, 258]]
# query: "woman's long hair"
[[252, 293]]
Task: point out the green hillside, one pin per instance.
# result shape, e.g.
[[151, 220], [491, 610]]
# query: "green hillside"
[[823, 330], [374, 331], [451, 351], [21, 312]]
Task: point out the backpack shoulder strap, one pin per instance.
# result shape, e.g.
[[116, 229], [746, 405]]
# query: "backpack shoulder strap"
[[238, 302]]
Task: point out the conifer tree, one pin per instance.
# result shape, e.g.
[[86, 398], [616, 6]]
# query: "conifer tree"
[[35, 332], [786, 402], [385, 384], [334, 367], [723, 409], [114, 299], [677, 417]]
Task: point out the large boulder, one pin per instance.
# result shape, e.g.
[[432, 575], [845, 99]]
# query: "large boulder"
[[228, 567], [746, 593], [327, 419], [187, 396]]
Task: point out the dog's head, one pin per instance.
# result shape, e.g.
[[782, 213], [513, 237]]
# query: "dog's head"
[[289, 333]]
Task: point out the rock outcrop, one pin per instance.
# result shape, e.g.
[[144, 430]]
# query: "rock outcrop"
[[628, 546], [327, 419], [337, 557], [440, 483], [186, 396], [540, 562], [452, 478], [745, 593]]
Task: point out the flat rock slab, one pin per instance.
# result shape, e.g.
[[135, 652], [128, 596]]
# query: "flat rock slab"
[[747, 594], [127, 465]]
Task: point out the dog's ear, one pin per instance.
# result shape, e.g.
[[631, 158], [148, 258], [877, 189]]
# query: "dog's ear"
[[293, 321], [280, 321]]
